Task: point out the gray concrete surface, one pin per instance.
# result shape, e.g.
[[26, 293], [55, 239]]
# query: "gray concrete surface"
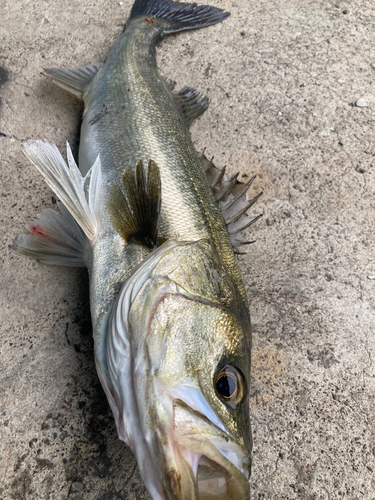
[[283, 77]]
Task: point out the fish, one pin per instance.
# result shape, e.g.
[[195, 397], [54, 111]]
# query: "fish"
[[157, 225]]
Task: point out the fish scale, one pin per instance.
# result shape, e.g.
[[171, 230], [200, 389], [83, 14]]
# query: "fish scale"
[[154, 223], [148, 102], [136, 98]]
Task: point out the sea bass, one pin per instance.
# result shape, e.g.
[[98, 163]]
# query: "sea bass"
[[156, 225]]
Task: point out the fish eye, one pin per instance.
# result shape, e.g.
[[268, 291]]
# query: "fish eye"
[[229, 385]]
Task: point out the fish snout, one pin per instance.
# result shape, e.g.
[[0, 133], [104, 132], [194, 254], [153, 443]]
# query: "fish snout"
[[212, 465]]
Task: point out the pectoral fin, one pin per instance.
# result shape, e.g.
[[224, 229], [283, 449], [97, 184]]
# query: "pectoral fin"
[[74, 80], [55, 239], [135, 214], [62, 239], [78, 194]]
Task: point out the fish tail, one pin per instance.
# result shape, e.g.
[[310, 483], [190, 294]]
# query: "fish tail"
[[179, 16]]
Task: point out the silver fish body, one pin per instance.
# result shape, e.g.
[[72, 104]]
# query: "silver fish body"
[[171, 324], [131, 115]]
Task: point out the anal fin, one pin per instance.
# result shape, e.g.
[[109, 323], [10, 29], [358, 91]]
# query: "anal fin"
[[191, 102], [74, 80], [135, 214]]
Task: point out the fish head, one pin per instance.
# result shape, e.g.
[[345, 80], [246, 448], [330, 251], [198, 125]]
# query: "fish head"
[[197, 399], [190, 357]]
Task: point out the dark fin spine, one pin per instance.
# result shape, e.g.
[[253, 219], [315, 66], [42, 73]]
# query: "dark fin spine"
[[242, 192], [181, 16], [243, 223], [218, 178], [222, 193], [233, 201], [241, 210], [135, 215]]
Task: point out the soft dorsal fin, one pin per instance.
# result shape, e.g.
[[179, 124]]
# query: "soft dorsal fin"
[[191, 102], [135, 214], [74, 80]]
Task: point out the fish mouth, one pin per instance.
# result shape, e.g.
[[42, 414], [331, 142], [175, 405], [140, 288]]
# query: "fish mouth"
[[212, 465], [216, 483]]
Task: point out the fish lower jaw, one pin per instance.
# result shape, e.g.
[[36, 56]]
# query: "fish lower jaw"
[[211, 465], [215, 483], [208, 480]]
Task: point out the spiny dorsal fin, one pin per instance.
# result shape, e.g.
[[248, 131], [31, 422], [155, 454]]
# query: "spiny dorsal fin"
[[135, 215], [191, 102], [74, 80], [231, 195]]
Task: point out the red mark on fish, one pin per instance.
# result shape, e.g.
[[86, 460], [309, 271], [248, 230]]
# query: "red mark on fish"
[[37, 230]]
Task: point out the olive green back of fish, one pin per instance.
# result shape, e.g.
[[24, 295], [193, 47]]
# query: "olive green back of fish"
[[171, 324], [131, 114]]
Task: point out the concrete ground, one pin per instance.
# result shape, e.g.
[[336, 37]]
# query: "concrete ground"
[[286, 79]]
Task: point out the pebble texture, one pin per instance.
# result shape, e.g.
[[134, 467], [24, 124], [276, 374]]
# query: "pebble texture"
[[286, 80]]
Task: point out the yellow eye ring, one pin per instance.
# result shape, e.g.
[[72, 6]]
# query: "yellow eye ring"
[[229, 385]]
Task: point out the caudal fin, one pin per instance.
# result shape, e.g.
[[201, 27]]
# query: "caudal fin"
[[181, 16]]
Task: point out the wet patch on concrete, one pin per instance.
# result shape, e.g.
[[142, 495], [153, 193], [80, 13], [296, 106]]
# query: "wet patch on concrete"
[[268, 373], [20, 487], [4, 76]]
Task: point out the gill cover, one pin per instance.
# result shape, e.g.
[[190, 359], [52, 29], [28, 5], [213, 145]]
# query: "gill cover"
[[170, 332]]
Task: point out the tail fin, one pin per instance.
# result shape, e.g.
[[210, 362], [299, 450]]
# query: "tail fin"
[[181, 16]]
